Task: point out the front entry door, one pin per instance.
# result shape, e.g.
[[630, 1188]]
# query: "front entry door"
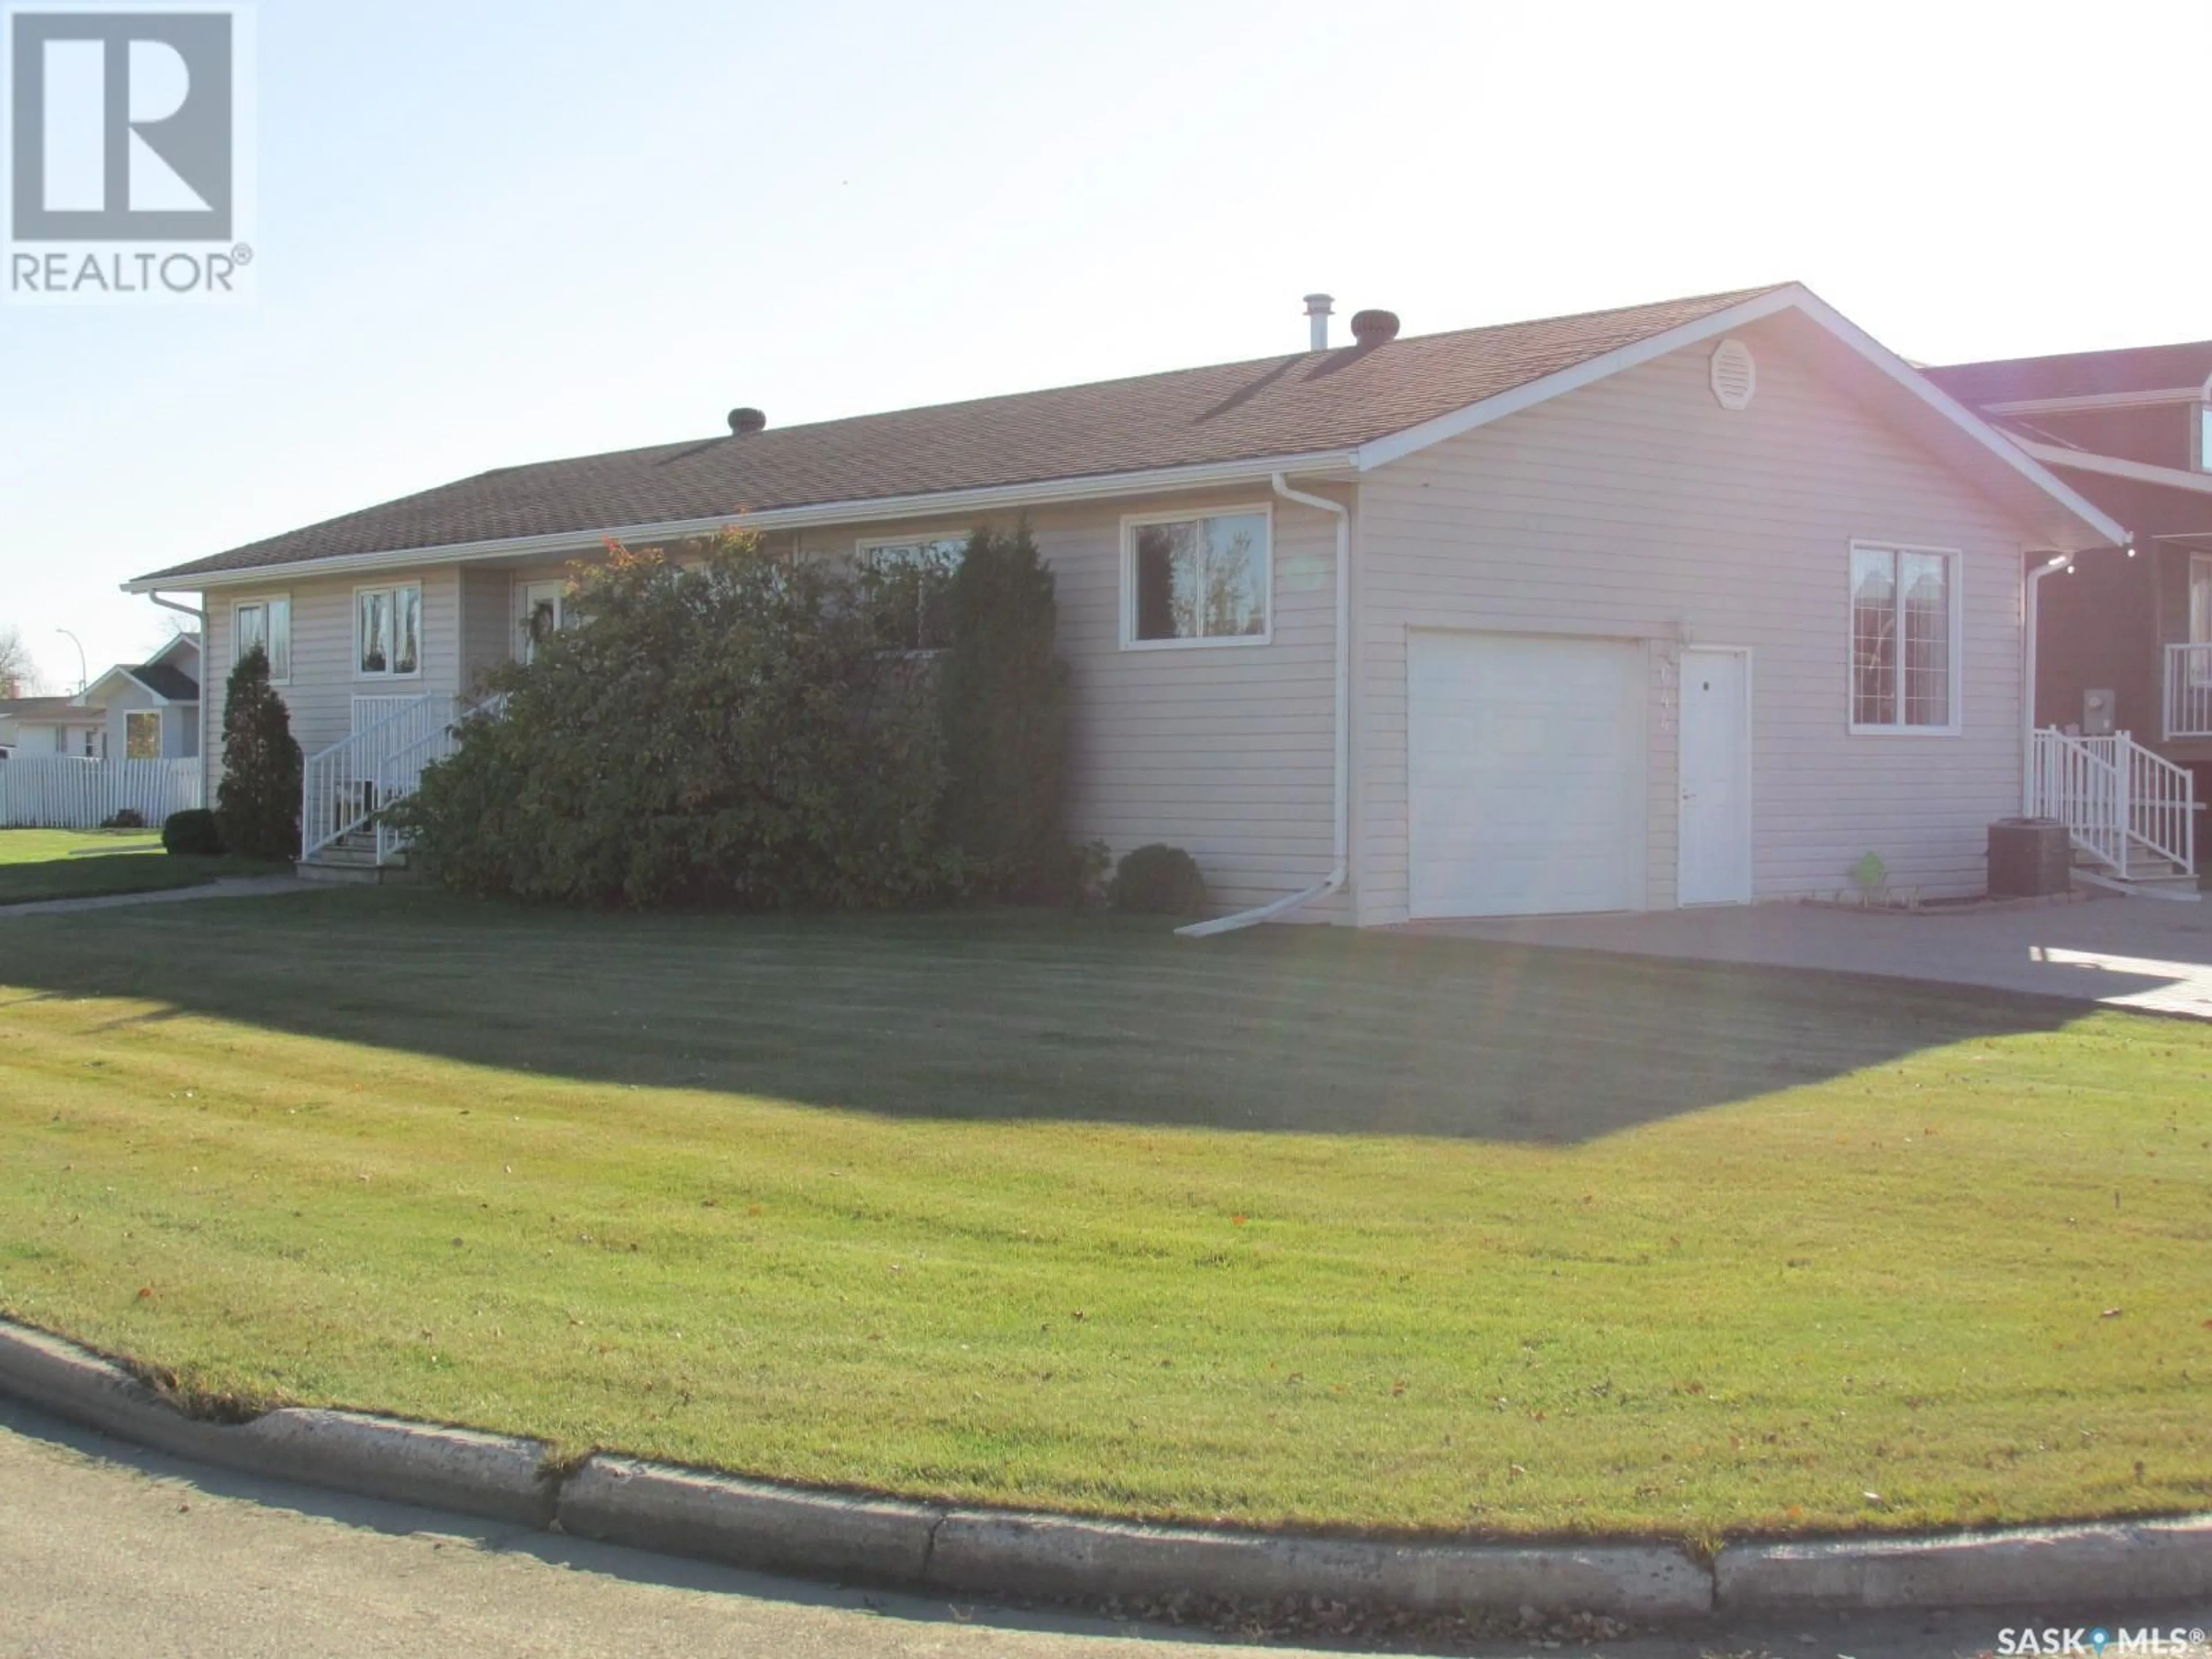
[[1715, 777]]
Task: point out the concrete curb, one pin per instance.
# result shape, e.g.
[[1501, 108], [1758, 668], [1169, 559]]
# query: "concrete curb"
[[1051, 1555], [490, 1475], [747, 1524], [2139, 1562], [750, 1523]]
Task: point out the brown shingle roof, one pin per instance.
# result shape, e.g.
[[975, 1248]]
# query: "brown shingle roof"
[[1304, 404], [2078, 373]]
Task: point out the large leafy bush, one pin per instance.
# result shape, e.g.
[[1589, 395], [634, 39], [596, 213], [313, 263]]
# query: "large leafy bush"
[[721, 728], [1003, 701], [257, 802]]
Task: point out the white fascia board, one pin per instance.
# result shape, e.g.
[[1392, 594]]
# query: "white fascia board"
[[2115, 467], [1380, 452], [875, 510], [1795, 297], [2088, 402]]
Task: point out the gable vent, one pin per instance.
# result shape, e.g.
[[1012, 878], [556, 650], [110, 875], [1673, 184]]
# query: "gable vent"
[[1734, 375]]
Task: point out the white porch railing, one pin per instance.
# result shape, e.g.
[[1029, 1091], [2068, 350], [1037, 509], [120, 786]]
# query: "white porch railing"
[[62, 792], [344, 787], [2188, 691], [2122, 804]]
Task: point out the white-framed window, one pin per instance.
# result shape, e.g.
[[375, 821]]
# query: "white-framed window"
[[2202, 450], [387, 632], [1197, 579], [142, 734], [908, 580], [1904, 638], [267, 622], [543, 612]]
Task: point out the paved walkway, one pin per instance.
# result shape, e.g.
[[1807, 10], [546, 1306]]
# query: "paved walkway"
[[106, 1549], [2128, 953], [228, 888]]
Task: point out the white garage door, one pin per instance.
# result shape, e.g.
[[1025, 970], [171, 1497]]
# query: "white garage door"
[[1527, 775]]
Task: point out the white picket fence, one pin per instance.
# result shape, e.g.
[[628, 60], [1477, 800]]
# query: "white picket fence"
[[63, 793]]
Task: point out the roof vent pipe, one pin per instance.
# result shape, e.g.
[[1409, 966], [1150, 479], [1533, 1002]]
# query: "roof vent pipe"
[[743, 421], [1374, 328], [1318, 308]]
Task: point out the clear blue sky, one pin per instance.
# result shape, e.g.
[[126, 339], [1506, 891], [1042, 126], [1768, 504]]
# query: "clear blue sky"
[[496, 232]]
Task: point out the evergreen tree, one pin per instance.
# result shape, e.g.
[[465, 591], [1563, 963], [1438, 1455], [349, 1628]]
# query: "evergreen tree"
[[1002, 701], [257, 802]]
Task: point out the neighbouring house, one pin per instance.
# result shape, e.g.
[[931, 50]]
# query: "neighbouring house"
[[2124, 638], [1689, 603], [37, 727], [151, 709]]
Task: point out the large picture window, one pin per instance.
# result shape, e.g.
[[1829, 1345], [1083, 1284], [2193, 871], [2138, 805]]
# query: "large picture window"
[[387, 632], [1905, 655], [266, 622], [1199, 580]]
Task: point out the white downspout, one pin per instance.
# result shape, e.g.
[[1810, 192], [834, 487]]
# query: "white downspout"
[[199, 616], [1338, 874], [2049, 567]]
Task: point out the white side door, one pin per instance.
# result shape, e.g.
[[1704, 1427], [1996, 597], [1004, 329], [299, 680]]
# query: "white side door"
[[1715, 778]]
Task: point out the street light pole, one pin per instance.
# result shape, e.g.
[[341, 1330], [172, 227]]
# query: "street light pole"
[[83, 672]]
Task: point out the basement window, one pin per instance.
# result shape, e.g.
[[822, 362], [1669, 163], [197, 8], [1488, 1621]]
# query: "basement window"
[[1905, 640], [1196, 580]]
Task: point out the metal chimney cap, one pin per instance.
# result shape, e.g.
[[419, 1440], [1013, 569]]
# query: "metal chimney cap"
[[743, 421], [1374, 328], [1320, 305]]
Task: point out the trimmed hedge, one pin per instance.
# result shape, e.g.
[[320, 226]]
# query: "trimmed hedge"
[[193, 832]]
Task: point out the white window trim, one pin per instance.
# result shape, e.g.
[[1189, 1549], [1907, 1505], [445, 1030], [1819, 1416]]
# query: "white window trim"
[[161, 731], [263, 600], [353, 632], [1956, 726], [518, 605], [2200, 434], [2200, 570], [1131, 522]]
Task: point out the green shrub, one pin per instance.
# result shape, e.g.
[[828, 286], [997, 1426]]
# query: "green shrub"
[[1002, 698], [1157, 880], [257, 802], [724, 729], [125, 818], [192, 832]]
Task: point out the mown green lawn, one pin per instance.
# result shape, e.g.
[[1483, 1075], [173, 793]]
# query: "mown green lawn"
[[54, 864], [1285, 1227]]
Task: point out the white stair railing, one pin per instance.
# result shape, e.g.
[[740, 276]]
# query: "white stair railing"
[[344, 786], [2117, 798], [2188, 691]]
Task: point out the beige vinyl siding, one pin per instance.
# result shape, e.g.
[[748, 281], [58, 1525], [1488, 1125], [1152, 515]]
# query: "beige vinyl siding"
[[1638, 509], [1227, 751], [324, 684]]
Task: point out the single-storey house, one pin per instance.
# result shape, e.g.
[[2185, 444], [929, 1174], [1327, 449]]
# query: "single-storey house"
[[38, 727], [1689, 603], [151, 709]]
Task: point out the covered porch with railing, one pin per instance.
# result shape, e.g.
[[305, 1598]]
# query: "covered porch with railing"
[[2131, 813]]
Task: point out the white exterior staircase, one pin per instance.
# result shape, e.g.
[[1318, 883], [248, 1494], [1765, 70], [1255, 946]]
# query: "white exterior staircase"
[[345, 788], [2132, 814]]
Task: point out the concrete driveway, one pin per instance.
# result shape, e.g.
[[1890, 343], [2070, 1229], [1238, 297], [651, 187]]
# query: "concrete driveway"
[[2127, 953]]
